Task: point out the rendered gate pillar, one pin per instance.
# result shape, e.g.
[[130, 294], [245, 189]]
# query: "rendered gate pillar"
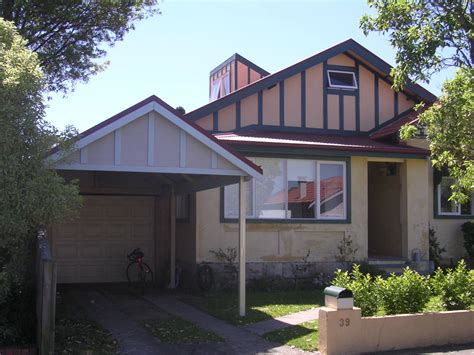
[[242, 257]]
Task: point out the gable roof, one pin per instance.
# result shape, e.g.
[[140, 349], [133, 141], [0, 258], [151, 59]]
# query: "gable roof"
[[347, 46], [154, 103]]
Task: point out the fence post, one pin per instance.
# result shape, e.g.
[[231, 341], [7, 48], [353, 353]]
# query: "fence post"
[[46, 296]]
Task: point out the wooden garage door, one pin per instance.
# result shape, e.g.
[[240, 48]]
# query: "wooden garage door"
[[94, 247]]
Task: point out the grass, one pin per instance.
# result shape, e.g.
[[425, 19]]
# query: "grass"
[[304, 336], [176, 330], [260, 305], [75, 333]]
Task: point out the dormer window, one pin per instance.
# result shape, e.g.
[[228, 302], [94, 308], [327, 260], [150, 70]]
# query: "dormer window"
[[220, 87], [342, 79]]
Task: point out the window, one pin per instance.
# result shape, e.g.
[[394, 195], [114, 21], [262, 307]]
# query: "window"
[[451, 208], [331, 182], [342, 79], [220, 87], [289, 190]]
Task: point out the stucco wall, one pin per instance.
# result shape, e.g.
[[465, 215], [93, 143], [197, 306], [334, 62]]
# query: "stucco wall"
[[280, 242], [356, 335], [448, 230]]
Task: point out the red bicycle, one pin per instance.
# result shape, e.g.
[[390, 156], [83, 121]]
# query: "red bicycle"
[[139, 274]]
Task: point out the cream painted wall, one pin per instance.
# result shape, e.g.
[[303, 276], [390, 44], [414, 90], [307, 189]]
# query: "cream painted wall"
[[414, 207], [448, 230], [284, 241]]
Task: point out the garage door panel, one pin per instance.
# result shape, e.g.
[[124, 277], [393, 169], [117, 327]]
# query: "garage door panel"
[[94, 248], [117, 230], [92, 230], [66, 251], [67, 231]]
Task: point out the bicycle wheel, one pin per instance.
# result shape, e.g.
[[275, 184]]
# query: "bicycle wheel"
[[139, 277], [205, 277]]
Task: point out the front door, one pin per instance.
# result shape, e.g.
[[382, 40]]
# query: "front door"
[[384, 223]]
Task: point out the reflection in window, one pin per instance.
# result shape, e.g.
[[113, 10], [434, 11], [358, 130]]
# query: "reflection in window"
[[331, 190], [231, 200], [215, 89], [270, 199], [225, 85], [301, 188], [182, 207], [289, 190]]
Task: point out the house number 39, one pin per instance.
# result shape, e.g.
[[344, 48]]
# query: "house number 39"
[[344, 322]]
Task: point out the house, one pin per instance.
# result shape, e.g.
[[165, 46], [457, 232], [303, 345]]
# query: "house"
[[324, 132]]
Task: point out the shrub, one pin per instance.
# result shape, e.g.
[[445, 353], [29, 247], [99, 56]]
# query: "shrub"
[[456, 287], [468, 230], [435, 248], [362, 286], [407, 293]]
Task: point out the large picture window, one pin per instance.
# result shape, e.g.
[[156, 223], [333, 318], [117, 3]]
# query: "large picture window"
[[451, 208], [293, 189]]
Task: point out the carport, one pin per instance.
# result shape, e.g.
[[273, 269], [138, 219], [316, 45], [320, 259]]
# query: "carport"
[[131, 168]]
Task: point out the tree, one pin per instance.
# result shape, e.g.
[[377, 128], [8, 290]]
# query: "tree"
[[31, 193], [69, 36], [430, 36]]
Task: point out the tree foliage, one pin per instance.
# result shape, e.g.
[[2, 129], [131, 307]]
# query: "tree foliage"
[[430, 36], [31, 193], [70, 36]]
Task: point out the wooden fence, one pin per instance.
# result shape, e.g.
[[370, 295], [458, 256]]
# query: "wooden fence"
[[45, 295]]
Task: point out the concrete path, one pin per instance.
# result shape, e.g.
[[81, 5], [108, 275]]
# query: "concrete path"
[[238, 340], [133, 339], [269, 325]]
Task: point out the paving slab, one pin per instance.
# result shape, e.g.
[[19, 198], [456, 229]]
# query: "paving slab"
[[238, 340], [269, 325], [133, 339]]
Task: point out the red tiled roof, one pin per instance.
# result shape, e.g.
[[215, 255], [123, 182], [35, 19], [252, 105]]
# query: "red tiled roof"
[[316, 141], [329, 187]]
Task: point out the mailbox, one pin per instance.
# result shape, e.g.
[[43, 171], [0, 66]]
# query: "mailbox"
[[338, 298]]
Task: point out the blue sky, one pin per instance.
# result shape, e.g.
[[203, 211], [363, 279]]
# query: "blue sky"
[[170, 55]]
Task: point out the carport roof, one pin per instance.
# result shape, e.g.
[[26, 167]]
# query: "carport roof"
[[161, 110]]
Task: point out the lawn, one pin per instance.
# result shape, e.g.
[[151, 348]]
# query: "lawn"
[[77, 334], [260, 305], [175, 330], [304, 336]]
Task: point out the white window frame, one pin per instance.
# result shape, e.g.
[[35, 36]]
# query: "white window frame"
[[318, 190], [317, 215], [331, 85], [457, 205]]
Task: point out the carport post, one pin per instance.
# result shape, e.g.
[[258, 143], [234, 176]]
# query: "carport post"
[[172, 238], [242, 261]]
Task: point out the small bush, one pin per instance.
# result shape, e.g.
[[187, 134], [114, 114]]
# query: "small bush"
[[363, 288], [407, 293], [435, 248], [456, 287]]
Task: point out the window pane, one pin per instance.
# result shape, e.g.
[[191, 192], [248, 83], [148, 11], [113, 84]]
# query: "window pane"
[[270, 199], [226, 85], [231, 200], [301, 196], [341, 79], [331, 189], [446, 206], [215, 89]]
